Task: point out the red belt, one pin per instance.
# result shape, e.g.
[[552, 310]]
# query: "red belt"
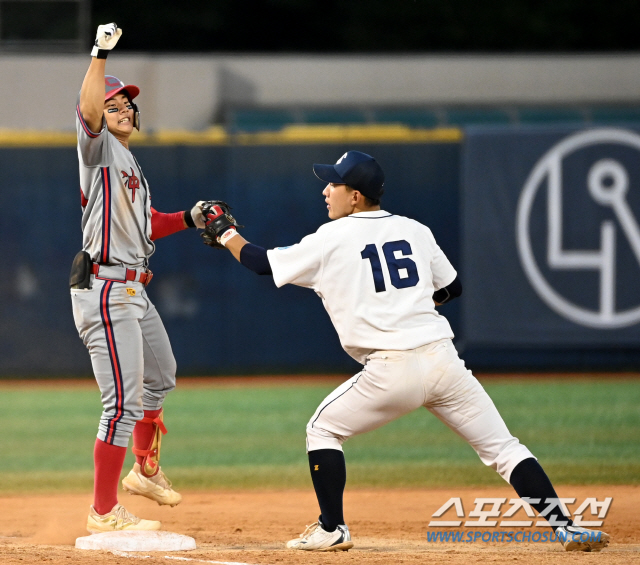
[[131, 274]]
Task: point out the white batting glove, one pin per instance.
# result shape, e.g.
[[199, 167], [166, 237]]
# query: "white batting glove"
[[106, 39], [196, 215]]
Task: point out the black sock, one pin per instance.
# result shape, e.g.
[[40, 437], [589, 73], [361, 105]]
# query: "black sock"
[[329, 476], [530, 481]]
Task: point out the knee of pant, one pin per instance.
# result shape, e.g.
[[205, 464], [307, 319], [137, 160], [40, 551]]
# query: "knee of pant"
[[169, 374], [128, 418], [154, 399], [317, 438], [161, 381], [511, 453], [168, 387], [116, 430], [172, 368]]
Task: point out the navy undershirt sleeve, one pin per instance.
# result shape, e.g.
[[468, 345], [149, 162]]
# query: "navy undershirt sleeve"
[[449, 292], [255, 258]]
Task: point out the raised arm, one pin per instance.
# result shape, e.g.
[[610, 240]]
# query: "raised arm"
[[92, 91], [92, 95]]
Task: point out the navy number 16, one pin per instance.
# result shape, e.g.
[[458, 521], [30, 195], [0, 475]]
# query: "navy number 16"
[[393, 264]]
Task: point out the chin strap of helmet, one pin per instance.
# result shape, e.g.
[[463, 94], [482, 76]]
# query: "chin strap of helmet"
[[136, 115]]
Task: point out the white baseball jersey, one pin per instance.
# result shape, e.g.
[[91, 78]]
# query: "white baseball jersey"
[[376, 274], [116, 206]]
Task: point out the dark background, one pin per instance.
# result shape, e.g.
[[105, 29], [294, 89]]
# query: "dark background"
[[377, 25], [352, 26]]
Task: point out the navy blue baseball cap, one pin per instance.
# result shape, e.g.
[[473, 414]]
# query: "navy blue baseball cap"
[[356, 169]]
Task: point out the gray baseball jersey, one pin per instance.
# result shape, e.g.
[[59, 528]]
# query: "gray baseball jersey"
[[116, 205]]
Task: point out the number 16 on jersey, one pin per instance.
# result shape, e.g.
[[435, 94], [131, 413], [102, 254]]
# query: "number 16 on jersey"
[[403, 271]]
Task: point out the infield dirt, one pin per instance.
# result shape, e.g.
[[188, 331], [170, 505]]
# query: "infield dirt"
[[251, 527]]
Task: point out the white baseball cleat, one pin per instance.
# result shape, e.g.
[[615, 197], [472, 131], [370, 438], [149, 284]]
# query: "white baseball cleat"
[[575, 538], [157, 488], [118, 520], [316, 538]]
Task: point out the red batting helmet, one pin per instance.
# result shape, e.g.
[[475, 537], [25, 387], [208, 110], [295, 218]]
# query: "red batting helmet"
[[113, 85]]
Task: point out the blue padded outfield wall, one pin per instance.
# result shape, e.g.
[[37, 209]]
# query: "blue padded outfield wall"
[[221, 318], [542, 226]]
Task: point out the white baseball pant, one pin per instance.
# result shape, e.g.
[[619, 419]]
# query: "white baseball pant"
[[394, 383]]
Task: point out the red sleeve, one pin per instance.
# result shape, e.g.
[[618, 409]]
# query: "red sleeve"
[[165, 224]]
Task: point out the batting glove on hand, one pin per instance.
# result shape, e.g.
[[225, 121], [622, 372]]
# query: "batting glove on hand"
[[218, 220], [106, 39], [197, 216]]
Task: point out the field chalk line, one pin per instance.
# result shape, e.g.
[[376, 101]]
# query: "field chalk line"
[[133, 556]]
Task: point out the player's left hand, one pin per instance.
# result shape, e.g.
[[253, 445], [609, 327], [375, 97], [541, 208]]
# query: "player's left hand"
[[218, 220]]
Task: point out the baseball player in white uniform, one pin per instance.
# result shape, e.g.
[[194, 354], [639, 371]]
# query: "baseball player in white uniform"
[[130, 351], [380, 277]]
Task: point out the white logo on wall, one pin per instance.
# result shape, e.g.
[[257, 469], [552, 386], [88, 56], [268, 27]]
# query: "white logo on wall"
[[608, 184]]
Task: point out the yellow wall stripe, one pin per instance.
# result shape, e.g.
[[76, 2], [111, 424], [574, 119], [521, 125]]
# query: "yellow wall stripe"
[[15, 138], [349, 133], [217, 135]]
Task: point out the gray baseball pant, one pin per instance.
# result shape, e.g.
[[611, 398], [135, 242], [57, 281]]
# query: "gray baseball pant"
[[130, 353]]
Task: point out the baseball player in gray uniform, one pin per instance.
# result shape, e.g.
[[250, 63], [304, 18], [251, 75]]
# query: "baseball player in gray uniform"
[[380, 277], [130, 351]]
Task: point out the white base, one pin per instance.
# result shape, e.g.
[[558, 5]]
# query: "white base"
[[137, 541]]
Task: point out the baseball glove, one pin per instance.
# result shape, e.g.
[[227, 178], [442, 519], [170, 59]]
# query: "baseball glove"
[[217, 221]]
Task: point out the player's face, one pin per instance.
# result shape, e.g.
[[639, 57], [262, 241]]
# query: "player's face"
[[339, 200], [119, 114]]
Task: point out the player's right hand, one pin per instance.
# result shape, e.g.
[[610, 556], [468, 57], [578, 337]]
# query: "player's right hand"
[[106, 38]]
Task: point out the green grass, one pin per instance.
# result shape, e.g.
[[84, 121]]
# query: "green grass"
[[583, 432]]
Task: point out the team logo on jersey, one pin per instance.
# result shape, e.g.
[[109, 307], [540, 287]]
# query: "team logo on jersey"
[[132, 182], [577, 228]]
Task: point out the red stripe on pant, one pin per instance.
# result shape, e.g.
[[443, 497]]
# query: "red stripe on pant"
[[115, 361]]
